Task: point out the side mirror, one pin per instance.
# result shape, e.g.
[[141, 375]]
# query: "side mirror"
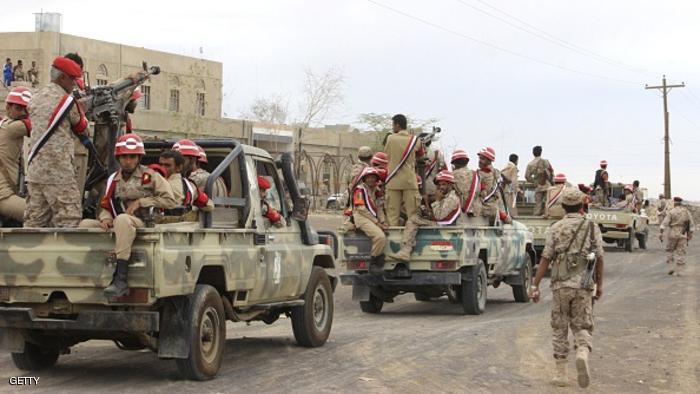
[[300, 211]]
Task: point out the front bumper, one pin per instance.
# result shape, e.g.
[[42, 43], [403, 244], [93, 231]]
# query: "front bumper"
[[416, 279], [128, 321]]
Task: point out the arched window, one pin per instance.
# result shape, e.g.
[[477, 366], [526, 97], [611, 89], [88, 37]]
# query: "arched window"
[[200, 103], [102, 76]]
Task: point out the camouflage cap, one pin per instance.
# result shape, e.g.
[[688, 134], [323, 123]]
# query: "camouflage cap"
[[572, 197], [365, 152]]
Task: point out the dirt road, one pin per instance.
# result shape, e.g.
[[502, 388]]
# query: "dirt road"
[[647, 339]]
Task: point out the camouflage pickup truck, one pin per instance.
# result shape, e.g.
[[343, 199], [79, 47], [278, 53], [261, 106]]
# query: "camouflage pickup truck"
[[186, 279], [457, 261], [539, 225], [621, 226]]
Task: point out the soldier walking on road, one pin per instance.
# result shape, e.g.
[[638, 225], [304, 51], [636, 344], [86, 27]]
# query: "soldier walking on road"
[[368, 216], [574, 248], [13, 129], [401, 186], [539, 172], [54, 198], [662, 206], [446, 211], [131, 192], [510, 180], [680, 225]]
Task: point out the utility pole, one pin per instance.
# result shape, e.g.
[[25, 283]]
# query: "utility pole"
[[667, 152]]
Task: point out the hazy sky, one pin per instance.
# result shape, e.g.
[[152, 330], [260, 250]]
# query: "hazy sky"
[[577, 89]]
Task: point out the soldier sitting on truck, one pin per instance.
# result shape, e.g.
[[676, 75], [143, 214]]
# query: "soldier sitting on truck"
[[13, 129], [445, 211], [131, 192], [271, 215], [627, 200], [490, 183], [185, 191], [466, 182], [194, 155], [368, 215], [553, 209]]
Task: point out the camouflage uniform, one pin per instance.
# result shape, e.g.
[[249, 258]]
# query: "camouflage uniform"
[[401, 188], [510, 178], [572, 305], [463, 181], [190, 213], [443, 209], [676, 239], [661, 209], [146, 186], [367, 222], [553, 209], [435, 162], [200, 176], [538, 171], [54, 198], [489, 178], [12, 133]]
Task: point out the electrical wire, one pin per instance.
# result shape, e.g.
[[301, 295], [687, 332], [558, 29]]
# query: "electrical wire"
[[496, 47]]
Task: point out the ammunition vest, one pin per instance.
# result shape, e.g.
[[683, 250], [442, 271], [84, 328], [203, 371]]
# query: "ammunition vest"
[[571, 263]]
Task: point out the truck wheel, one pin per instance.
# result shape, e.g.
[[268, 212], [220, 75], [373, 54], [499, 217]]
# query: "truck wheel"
[[628, 241], [35, 358], [474, 290], [422, 297], [312, 321], [207, 328], [642, 240], [374, 305], [520, 290]]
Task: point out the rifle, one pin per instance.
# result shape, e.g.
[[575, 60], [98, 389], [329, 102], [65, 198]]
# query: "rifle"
[[21, 179], [686, 232], [427, 138], [420, 170], [588, 275]]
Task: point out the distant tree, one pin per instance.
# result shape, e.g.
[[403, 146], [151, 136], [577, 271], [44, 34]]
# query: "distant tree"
[[269, 110], [382, 125], [322, 92]]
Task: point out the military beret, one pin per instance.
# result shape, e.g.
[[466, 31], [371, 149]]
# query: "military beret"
[[263, 183], [678, 199], [572, 197], [68, 67]]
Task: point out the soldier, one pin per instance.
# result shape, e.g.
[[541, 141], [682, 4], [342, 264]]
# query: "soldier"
[[364, 157], [33, 75], [539, 172], [323, 192], [637, 197], [380, 161], [185, 192], [402, 149], [194, 155], [553, 209], [661, 208], [489, 185], [680, 225], [466, 183], [13, 129], [627, 200], [18, 72], [131, 192], [601, 184], [572, 246], [446, 211], [52, 181], [7, 72], [510, 180], [434, 163], [270, 214], [368, 215]]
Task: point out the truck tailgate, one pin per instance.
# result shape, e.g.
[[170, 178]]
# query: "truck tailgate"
[[432, 244], [36, 262]]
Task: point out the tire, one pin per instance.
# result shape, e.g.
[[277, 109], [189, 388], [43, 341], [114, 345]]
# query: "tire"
[[642, 240], [628, 242], [423, 297], [312, 321], [207, 339], [374, 305], [474, 290], [35, 358], [520, 292]]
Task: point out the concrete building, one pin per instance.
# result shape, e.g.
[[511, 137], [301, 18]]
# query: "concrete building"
[[185, 100]]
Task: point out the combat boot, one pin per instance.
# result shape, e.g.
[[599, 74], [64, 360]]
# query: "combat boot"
[[584, 377], [376, 264], [119, 286], [560, 379], [404, 254]]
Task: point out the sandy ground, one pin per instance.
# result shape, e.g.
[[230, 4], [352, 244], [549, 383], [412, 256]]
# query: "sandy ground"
[[647, 339]]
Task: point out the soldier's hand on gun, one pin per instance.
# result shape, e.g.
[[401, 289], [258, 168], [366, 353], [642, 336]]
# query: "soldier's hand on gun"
[[106, 224], [133, 206]]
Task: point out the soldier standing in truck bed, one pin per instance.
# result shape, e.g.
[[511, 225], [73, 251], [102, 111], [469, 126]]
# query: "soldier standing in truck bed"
[[368, 215], [402, 148], [539, 172]]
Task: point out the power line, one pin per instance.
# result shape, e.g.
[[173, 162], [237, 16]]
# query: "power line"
[[553, 38], [496, 47]]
